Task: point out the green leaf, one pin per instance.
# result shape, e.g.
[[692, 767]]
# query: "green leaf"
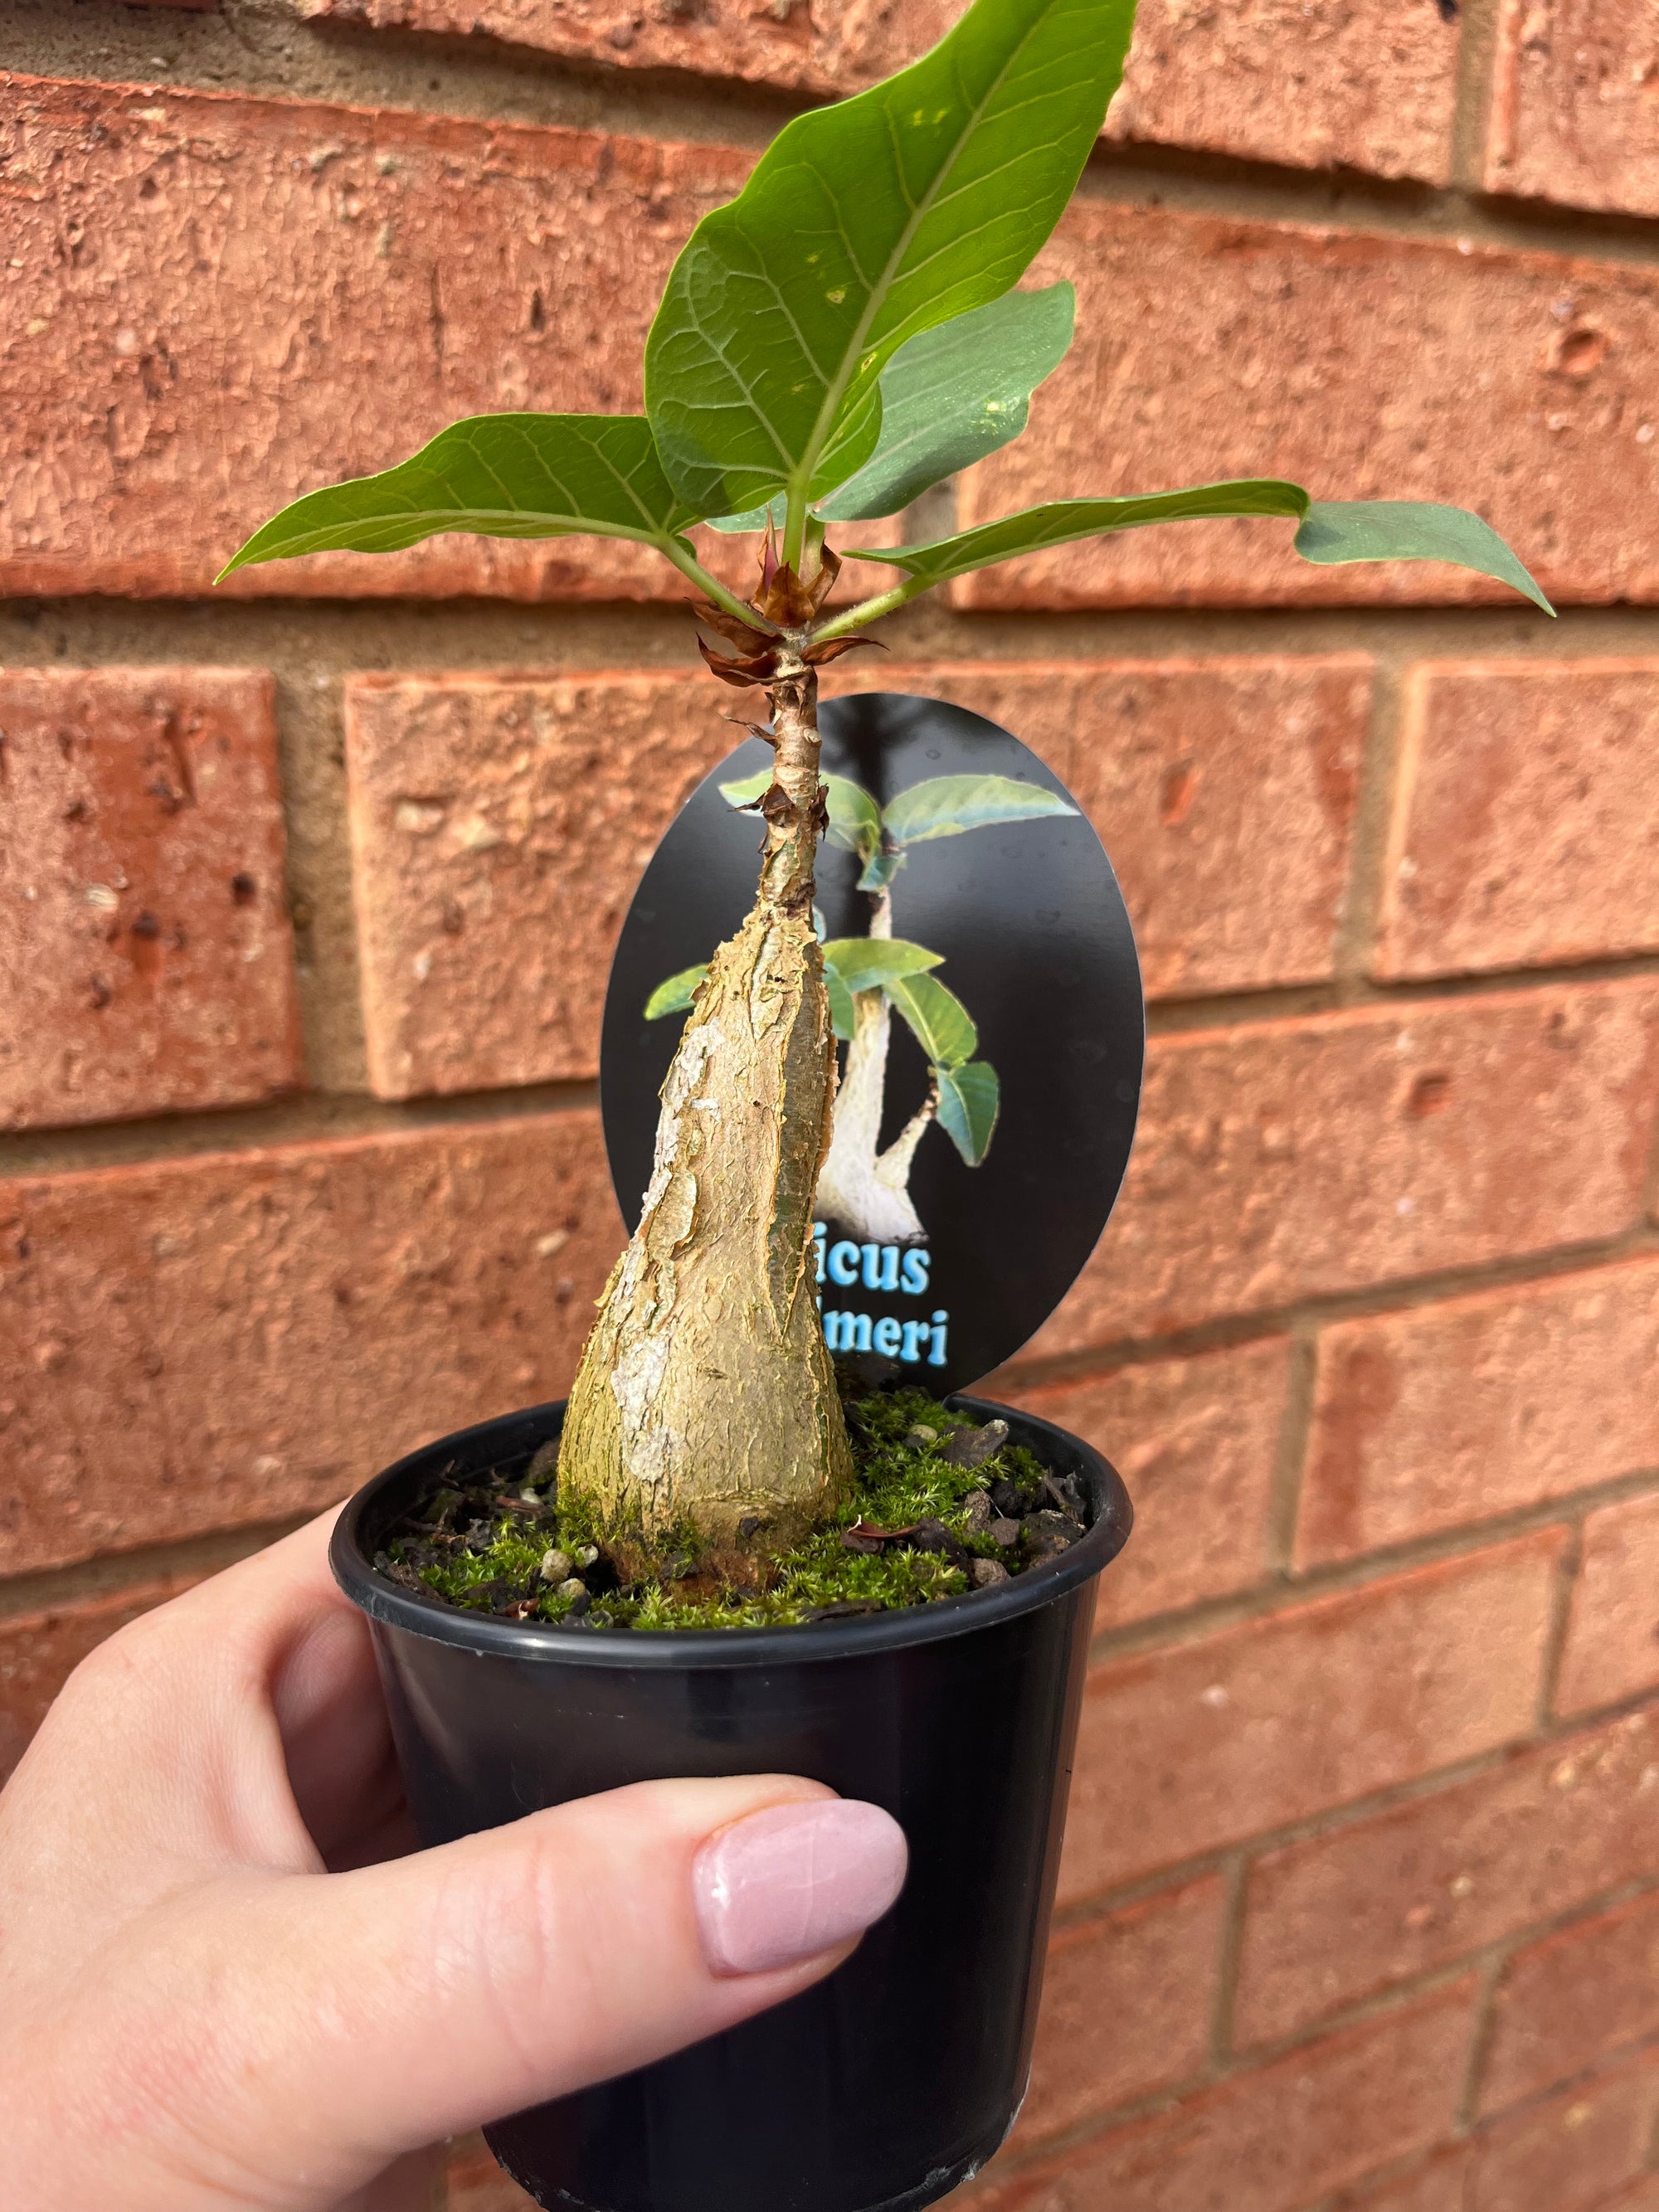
[[967, 1101], [868, 963], [955, 394], [676, 994], [1336, 531], [502, 475], [879, 870], [1064, 519], [1357, 529], [756, 519], [862, 225], [855, 816], [945, 805], [843, 1014], [941, 1022]]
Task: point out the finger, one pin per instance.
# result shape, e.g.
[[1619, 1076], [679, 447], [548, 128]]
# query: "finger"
[[424, 1998]]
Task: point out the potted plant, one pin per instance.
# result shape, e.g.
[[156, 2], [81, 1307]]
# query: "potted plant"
[[841, 336]]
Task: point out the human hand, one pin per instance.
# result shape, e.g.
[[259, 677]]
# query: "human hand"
[[229, 1983]]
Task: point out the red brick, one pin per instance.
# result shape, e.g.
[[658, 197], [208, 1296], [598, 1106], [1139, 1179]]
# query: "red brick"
[[1451, 1413], [1191, 770], [1363, 365], [146, 960], [1571, 1999], [477, 2183], [1276, 2140], [1436, 2186], [1301, 1157], [1332, 1920], [222, 302], [1366, 85], [1572, 115], [1567, 2156], [1184, 1750], [496, 850], [39, 1652], [1613, 1632], [1526, 805], [1126, 2006], [1196, 1441], [213, 1341]]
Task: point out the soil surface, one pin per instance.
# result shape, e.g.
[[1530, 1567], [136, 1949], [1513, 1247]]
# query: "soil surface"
[[941, 1504]]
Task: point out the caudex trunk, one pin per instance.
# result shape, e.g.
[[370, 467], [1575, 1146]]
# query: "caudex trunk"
[[705, 1396]]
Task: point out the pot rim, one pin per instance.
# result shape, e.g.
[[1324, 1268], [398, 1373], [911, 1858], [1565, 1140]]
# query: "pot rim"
[[542, 1642]]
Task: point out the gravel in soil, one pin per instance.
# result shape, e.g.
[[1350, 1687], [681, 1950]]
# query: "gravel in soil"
[[941, 1504]]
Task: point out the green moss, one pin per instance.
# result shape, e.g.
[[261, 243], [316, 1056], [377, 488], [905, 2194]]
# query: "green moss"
[[484, 1550]]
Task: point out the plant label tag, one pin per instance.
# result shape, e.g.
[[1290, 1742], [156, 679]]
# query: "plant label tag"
[[984, 985]]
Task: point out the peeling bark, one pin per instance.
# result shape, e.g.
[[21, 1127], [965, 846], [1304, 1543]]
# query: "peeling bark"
[[705, 1393]]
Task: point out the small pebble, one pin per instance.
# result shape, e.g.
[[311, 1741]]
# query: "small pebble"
[[986, 1572], [1005, 1532], [556, 1566], [1046, 1535], [921, 1434], [573, 1588], [973, 1447], [977, 1511], [585, 1554]]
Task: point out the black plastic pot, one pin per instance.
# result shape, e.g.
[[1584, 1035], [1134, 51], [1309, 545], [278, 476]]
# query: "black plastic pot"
[[895, 2079]]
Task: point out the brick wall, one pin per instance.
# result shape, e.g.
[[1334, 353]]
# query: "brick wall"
[[308, 888]]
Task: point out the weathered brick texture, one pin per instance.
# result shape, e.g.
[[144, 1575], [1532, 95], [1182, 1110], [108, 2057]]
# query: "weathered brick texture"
[[1291, 1158], [1454, 1411], [1334, 1919], [226, 301], [499, 829], [39, 1652], [1564, 2003], [1613, 1632], [1363, 364], [1364, 83], [146, 961], [1438, 2185], [1192, 771], [1571, 2153], [1284, 2136], [1526, 812], [1573, 117], [201, 1343], [1154, 1964], [1197, 1441], [1183, 1750]]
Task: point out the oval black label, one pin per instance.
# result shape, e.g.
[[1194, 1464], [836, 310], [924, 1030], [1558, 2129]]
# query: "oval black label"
[[983, 976]]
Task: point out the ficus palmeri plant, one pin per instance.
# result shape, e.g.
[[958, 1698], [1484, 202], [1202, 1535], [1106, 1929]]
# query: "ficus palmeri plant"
[[841, 336]]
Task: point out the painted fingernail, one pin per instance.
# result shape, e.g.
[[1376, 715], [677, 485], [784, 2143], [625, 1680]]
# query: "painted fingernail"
[[793, 1881]]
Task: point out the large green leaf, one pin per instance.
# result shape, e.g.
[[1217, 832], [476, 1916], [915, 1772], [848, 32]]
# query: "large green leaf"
[[941, 1021], [862, 225], [868, 963], [945, 805], [955, 394], [1356, 530], [676, 992], [502, 476], [1335, 530], [967, 1101]]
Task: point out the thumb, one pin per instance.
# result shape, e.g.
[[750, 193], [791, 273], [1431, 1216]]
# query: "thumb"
[[421, 1998]]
